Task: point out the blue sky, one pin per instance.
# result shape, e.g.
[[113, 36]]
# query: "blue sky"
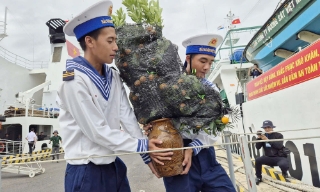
[[28, 34]]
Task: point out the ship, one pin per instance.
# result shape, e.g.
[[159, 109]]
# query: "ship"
[[28, 92], [27, 96], [287, 49]]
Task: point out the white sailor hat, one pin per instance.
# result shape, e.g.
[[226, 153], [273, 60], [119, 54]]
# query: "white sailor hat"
[[95, 17], [202, 44]]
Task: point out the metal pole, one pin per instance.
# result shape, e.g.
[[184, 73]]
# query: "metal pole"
[[245, 155], [227, 135], [5, 20]]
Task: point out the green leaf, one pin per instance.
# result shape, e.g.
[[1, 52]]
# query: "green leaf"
[[218, 121], [206, 130], [187, 97]]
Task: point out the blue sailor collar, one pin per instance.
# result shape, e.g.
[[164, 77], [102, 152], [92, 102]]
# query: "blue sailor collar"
[[103, 83]]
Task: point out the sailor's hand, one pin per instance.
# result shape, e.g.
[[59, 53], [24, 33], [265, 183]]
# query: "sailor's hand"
[[147, 128], [158, 157], [153, 170], [187, 161]]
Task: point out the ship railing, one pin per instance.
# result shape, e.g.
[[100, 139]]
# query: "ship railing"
[[23, 62], [33, 111], [8, 147], [217, 66]]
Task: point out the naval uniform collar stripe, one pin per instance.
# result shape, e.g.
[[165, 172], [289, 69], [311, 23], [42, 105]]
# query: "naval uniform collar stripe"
[[74, 64], [102, 83], [86, 71]]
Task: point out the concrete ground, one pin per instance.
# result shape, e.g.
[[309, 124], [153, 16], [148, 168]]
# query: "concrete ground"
[[140, 177]]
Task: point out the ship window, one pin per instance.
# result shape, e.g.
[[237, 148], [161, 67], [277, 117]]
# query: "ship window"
[[13, 130], [46, 129], [56, 56]]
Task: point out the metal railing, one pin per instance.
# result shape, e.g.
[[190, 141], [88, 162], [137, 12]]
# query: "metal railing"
[[23, 62], [34, 111], [8, 147], [217, 67]]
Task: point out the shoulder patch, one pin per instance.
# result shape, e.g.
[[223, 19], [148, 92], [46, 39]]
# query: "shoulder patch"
[[68, 75]]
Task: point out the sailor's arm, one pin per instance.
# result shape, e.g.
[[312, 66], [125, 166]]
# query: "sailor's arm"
[[202, 139], [129, 122], [127, 118], [76, 99]]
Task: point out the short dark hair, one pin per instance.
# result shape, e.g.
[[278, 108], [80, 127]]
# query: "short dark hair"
[[32, 129], [256, 65], [94, 34]]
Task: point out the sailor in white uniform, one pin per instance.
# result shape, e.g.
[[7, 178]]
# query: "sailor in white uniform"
[[93, 103], [202, 171]]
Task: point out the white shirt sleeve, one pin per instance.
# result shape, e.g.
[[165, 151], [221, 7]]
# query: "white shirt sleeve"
[[76, 99], [201, 139], [129, 122]]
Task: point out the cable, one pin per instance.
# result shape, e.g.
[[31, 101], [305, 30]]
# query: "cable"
[[276, 131], [182, 148], [244, 18]]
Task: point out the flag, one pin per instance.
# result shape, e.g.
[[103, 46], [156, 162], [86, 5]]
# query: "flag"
[[73, 51], [236, 21], [220, 27]]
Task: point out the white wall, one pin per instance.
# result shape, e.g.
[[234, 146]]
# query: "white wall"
[[14, 79], [296, 107]]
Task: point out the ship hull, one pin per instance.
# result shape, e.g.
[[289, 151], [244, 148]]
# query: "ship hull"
[[268, 39]]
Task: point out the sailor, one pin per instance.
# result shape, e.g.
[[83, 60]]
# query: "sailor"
[[93, 103], [202, 171]]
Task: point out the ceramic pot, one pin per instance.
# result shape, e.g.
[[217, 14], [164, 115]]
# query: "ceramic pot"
[[163, 130]]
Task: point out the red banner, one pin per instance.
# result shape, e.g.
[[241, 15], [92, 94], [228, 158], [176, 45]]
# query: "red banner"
[[299, 68], [73, 51]]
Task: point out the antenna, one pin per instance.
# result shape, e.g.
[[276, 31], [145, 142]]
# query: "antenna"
[[205, 17], [230, 17], [4, 34]]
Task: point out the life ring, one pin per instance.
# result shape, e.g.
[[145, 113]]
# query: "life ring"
[[2, 146]]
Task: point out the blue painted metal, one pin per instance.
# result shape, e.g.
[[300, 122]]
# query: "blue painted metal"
[[237, 56], [308, 20]]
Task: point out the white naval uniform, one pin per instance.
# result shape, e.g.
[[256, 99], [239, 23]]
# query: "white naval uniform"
[[200, 139], [90, 125]]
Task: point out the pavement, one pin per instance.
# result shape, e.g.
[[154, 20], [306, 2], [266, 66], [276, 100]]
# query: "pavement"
[[140, 177]]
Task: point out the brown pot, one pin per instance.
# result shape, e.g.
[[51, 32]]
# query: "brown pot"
[[163, 130]]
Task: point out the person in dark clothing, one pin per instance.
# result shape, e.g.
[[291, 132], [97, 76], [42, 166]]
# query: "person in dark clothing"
[[271, 151], [41, 136], [254, 71], [6, 136], [18, 138]]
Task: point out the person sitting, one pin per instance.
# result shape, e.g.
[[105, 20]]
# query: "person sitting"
[[271, 149]]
